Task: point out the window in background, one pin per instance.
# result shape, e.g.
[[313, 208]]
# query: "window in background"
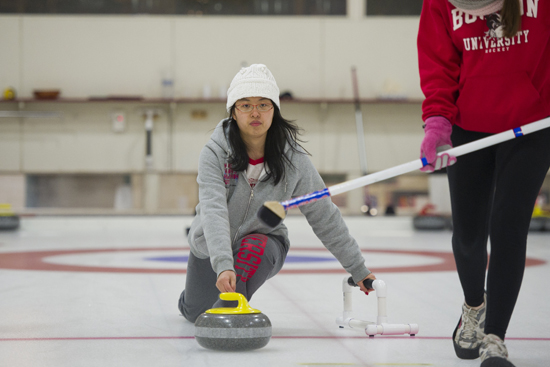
[[176, 7], [394, 7]]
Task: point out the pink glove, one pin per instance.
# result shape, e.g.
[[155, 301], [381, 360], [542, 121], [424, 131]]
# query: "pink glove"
[[437, 138]]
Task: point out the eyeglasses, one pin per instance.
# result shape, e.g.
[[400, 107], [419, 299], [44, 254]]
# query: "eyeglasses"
[[247, 107]]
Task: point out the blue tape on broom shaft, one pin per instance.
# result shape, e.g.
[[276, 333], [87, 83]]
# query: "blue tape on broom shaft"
[[416, 164]]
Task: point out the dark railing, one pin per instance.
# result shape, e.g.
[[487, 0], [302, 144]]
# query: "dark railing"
[[176, 7], [394, 7]]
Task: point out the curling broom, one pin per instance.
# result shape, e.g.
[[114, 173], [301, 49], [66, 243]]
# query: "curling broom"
[[272, 213]]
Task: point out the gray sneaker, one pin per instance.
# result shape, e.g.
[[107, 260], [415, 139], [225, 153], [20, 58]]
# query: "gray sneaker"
[[469, 331], [493, 352]]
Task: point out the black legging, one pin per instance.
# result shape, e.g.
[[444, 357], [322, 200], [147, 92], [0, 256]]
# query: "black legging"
[[493, 193]]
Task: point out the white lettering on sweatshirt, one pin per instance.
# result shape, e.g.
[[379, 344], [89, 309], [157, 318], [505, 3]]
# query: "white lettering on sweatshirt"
[[460, 18], [491, 44]]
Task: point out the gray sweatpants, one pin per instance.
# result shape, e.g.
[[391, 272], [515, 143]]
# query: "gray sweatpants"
[[258, 258]]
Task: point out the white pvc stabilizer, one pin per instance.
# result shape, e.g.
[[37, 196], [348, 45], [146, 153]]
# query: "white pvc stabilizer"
[[351, 323], [371, 328], [391, 329]]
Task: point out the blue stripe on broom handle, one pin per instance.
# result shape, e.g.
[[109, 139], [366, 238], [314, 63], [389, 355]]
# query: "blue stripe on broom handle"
[[518, 132], [304, 199]]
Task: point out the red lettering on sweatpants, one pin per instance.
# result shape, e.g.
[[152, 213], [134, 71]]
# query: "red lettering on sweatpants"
[[249, 257], [252, 247]]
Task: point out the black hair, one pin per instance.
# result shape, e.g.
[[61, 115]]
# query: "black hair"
[[280, 133]]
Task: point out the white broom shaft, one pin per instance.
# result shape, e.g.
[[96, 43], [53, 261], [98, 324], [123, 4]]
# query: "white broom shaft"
[[375, 177], [456, 152]]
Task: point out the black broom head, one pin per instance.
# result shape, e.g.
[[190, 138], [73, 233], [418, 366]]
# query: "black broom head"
[[271, 213]]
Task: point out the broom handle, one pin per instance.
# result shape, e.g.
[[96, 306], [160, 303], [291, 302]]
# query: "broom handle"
[[417, 164]]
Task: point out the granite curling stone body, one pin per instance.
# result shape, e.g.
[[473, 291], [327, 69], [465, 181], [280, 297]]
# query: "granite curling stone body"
[[233, 329]]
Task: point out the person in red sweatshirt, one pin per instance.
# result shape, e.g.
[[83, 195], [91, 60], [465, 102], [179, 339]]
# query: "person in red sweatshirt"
[[485, 68]]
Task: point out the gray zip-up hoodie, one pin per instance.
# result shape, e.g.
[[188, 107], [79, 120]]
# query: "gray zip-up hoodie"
[[228, 206]]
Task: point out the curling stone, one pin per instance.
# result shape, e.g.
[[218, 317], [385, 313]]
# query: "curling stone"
[[233, 329], [8, 219], [428, 220], [537, 224], [431, 222], [540, 220]]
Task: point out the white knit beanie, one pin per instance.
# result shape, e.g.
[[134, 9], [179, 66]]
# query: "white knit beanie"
[[253, 81]]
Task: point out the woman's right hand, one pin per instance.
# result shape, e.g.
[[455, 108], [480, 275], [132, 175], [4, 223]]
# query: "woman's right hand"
[[227, 281], [362, 286], [437, 137]]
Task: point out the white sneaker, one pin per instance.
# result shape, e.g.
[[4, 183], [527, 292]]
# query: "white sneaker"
[[493, 352], [469, 333]]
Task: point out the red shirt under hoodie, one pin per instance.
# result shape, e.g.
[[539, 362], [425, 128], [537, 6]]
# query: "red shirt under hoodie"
[[478, 81]]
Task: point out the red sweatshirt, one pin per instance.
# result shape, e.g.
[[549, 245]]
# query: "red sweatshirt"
[[478, 81]]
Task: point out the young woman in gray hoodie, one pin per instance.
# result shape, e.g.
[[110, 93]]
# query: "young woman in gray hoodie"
[[254, 156]]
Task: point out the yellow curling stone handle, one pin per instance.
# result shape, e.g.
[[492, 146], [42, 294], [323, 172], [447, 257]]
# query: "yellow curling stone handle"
[[242, 307], [5, 210]]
